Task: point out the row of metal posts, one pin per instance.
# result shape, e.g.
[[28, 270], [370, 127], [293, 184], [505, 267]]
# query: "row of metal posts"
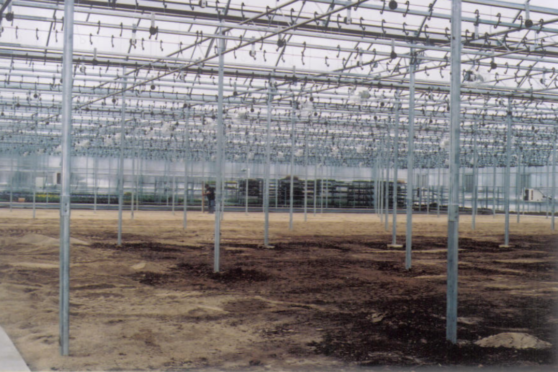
[[453, 209]]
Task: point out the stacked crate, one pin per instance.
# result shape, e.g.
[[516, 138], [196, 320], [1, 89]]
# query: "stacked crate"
[[255, 191]]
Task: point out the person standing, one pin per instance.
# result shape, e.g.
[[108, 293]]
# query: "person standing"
[[210, 193]]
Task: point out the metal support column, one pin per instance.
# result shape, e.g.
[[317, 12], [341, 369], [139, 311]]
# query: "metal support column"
[[410, 162], [439, 190], [186, 165], [322, 191], [453, 197], [553, 183], [96, 165], [475, 178], [11, 183], [246, 189], [139, 185], [386, 196], [133, 184], [315, 185], [507, 176], [494, 191], [109, 179], [173, 190], [219, 157], [518, 189], [395, 170], [293, 120], [375, 186], [67, 85], [380, 185], [121, 159], [547, 204], [427, 195], [267, 167], [306, 172], [34, 186]]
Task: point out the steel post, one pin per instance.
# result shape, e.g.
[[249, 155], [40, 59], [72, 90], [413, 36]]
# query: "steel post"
[[267, 167], [95, 164], [494, 192], [306, 172], [453, 199], [34, 186], [507, 176], [291, 205], [519, 188], [173, 190], [463, 172], [11, 182], [547, 203], [376, 210], [219, 157], [553, 183], [121, 158], [246, 189], [67, 85], [186, 165], [475, 178], [109, 179], [383, 186], [439, 190], [315, 186], [395, 169], [386, 196], [427, 196], [410, 163], [133, 184], [322, 191]]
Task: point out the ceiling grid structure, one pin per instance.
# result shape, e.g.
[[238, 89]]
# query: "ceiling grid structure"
[[342, 61]]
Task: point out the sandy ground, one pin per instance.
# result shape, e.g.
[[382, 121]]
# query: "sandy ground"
[[329, 295]]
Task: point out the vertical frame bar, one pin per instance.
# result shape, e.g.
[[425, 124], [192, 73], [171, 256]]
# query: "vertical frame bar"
[[453, 202], [121, 158], [410, 163], [291, 201], [395, 169], [67, 85], [219, 157], [508, 175], [267, 168]]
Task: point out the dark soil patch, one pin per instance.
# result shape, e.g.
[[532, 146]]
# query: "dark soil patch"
[[308, 245], [151, 278], [241, 245], [147, 250], [233, 275], [412, 332], [376, 312], [138, 247], [543, 267], [239, 274], [248, 305], [478, 246], [93, 287]]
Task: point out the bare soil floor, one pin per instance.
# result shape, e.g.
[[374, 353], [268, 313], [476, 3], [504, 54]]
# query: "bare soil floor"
[[329, 295]]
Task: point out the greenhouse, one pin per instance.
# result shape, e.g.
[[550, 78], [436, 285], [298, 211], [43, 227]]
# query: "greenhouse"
[[284, 185]]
